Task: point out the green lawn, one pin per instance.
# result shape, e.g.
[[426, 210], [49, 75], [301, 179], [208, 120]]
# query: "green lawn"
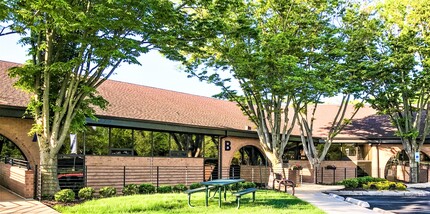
[[266, 202]]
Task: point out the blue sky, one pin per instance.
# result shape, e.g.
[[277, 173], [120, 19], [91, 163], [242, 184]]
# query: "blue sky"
[[156, 71]]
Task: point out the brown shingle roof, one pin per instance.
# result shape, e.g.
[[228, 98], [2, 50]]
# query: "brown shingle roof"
[[152, 104]]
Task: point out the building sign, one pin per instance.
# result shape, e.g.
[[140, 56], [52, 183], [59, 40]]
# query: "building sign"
[[227, 145], [417, 157]]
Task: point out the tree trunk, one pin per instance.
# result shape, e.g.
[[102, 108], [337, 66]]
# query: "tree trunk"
[[48, 171], [277, 167], [413, 178]]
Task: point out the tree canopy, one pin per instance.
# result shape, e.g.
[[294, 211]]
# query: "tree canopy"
[[76, 45]]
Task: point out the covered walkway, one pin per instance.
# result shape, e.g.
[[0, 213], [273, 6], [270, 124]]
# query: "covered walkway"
[[11, 203]]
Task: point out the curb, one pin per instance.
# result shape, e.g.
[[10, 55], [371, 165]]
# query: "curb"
[[357, 202], [338, 197], [409, 192], [379, 210]]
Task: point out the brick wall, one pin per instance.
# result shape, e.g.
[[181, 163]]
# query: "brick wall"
[[19, 180], [16, 130], [344, 169]]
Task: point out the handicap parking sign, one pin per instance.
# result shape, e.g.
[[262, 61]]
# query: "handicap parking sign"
[[417, 157]]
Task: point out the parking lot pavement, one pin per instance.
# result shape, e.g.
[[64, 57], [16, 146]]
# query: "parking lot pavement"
[[397, 204]]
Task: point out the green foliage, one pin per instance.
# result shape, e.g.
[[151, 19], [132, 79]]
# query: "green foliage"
[[146, 189], [350, 183], [86, 193], [130, 189], [10, 149], [246, 185], [360, 182], [179, 188], [235, 187], [384, 185], [74, 46], [106, 192], [195, 185], [400, 186], [65, 195], [164, 189]]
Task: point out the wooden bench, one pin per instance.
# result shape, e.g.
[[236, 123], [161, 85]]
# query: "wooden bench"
[[278, 178], [200, 189], [244, 192]]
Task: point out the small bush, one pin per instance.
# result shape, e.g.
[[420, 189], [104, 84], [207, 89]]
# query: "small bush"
[[350, 183], [65, 195], [130, 189], [106, 192], [235, 187], [86, 193], [360, 182], [146, 189], [195, 185], [179, 188], [400, 186], [247, 185], [164, 189], [384, 185]]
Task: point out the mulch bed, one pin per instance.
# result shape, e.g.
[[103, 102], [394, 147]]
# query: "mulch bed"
[[52, 203]]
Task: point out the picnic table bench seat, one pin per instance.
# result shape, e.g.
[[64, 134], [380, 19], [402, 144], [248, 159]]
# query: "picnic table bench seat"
[[244, 192], [192, 191]]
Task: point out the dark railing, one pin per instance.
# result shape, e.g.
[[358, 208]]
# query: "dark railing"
[[16, 162]]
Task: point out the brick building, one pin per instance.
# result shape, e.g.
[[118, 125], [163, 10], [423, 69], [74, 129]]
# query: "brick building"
[[152, 135]]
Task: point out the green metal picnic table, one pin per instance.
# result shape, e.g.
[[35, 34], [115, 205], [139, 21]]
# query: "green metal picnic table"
[[219, 184]]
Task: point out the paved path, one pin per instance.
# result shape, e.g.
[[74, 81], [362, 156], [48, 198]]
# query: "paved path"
[[312, 194], [11, 203]]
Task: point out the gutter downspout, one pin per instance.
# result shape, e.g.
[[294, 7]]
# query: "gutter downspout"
[[220, 154], [377, 157]]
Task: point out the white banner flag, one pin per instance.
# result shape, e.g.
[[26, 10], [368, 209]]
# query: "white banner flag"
[[73, 144]]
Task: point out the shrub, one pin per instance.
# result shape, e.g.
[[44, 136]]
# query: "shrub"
[[106, 192], [65, 195], [146, 189], [86, 193], [384, 185], [195, 185], [360, 182], [235, 187], [164, 189], [400, 186], [247, 185], [130, 189], [350, 183], [179, 188]]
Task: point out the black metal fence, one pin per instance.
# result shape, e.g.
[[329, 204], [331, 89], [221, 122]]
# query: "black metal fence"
[[16, 162]]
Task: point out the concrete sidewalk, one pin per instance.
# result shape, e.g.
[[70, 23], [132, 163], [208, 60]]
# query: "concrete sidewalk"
[[11, 203], [312, 193]]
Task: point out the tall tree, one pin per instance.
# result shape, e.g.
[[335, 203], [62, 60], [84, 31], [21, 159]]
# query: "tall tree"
[[75, 46], [400, 86], [263, 45], [350, 49]]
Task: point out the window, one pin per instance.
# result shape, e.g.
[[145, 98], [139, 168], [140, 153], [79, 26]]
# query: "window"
[[161, 144], [96, 140], [143, 143]]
